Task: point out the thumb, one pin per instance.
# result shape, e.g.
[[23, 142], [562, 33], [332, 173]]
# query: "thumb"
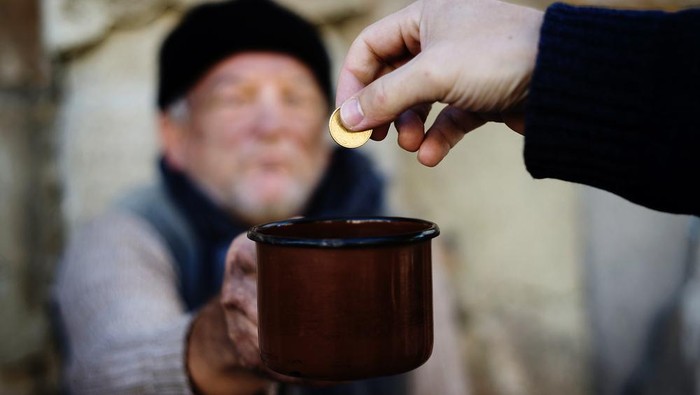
[[384, 99]]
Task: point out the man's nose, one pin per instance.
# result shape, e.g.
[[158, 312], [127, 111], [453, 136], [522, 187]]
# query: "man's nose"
[[270, 118]]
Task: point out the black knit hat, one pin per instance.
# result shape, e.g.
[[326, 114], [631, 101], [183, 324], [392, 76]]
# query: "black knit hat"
[[210, 32]]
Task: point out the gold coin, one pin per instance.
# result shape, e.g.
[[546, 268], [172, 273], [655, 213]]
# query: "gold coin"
[[343, 136]]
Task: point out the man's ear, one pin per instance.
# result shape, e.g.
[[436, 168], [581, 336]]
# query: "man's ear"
[[172, 141]]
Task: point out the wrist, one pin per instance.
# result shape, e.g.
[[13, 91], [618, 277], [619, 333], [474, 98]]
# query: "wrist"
[[211, 362]]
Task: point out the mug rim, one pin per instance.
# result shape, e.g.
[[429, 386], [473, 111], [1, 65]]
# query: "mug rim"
[[257, 233]]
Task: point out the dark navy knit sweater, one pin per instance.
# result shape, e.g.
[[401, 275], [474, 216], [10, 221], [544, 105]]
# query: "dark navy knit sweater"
[[614, 102]]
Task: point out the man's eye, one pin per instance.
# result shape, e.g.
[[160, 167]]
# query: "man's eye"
[[292, 99], [233, 100], [297, 99]]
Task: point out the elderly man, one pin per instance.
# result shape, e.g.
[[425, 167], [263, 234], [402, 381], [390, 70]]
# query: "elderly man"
[[244, 97]]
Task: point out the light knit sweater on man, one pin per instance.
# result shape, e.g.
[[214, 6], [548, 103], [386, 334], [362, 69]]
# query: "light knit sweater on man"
[[126, 323]]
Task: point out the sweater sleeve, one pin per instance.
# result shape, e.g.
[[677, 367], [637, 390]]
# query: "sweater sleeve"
[[613, 104], [122, 317]]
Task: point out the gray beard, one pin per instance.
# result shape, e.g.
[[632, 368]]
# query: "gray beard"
[[244, 204]]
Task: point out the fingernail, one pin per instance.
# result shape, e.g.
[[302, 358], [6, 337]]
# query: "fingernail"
[[351, 113]]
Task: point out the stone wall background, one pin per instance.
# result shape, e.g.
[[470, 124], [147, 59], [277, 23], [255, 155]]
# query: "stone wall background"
[[547, 273]]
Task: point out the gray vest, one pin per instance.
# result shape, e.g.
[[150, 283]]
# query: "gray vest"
[[153, 204]]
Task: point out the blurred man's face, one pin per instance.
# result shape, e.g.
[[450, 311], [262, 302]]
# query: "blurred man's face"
[[254, 136]]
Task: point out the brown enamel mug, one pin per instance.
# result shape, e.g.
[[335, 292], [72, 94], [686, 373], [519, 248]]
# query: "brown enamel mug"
[[345, 298]]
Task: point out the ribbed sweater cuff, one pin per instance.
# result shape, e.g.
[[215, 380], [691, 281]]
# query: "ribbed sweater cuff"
[[150, 365], [168, 360], [590, 123]]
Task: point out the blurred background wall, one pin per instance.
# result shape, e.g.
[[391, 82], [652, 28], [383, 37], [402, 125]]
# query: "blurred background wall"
[[557, 283]]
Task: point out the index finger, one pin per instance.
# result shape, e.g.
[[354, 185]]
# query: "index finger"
[[379, 49]]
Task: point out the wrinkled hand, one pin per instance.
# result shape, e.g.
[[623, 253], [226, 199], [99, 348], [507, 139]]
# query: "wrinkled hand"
[[239, 301], [222, 346], [476, 56], [239, 294]]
